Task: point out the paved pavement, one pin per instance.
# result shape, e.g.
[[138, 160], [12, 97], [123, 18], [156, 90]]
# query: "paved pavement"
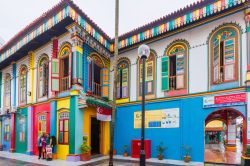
[[217, 153], [12, 162]]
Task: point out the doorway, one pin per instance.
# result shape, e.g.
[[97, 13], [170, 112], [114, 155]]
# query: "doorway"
[[95, 136], [224, 133]]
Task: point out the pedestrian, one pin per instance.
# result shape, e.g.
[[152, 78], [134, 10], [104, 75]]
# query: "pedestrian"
[[53, 143], [39, 145], [43, 141], [49, 147]]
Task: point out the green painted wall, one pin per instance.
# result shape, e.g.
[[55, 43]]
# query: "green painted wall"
[[21, 145]]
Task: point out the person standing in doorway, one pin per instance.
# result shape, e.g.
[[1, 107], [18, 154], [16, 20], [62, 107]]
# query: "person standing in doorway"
[[39, 145]]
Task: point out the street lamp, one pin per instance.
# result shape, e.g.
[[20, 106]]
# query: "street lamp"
[[143, 52]]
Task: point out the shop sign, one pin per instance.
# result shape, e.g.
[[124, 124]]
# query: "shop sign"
[[165, 118], [224, 100]]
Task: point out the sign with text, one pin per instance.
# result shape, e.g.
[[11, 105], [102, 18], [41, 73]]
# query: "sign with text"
[[165, 118], [224, 100]]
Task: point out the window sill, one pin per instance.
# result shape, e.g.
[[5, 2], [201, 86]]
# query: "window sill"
[[41, 99], [175, 92], [152, 96], [22, 104], [123, 100]]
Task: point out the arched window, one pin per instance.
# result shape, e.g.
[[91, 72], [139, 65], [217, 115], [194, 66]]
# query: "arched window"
[[98, 76], [174, 67], [65, 67], [149, 75], [23, 85], [7, 97], [223, 45], [63, 128], [43, 76], [123, 79]]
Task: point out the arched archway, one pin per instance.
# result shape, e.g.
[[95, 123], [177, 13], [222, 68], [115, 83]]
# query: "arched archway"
[[224, 143]]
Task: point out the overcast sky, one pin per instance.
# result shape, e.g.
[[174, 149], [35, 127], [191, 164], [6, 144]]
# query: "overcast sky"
[[16, 14]]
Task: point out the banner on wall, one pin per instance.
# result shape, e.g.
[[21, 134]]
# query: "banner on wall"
[[165, 118], [103, 114], [231, 134], [224, 100]]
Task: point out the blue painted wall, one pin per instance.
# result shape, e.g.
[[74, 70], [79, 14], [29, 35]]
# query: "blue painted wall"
[[190, 132]]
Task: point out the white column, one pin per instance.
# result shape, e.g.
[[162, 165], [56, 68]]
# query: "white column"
[[30, 129]]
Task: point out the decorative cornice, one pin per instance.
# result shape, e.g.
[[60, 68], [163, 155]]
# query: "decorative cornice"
[[67, 9], [176, 20], [63, 10]]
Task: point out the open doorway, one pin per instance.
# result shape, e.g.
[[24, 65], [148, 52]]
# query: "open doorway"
[[95, 136], [224, 133]]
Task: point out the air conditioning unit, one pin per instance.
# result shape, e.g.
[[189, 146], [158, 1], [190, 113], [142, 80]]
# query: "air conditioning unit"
[[13, 109]]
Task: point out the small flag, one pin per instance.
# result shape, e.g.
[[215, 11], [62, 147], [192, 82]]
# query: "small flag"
[[103, 114]]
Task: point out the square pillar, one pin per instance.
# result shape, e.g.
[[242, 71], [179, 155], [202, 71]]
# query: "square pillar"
[[75, 128], [12, 133], [30, 131]]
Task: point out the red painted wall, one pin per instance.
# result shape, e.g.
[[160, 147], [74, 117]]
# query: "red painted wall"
[[39, 110]]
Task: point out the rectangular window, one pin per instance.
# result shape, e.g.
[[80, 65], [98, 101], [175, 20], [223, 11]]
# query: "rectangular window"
[[64, 128]]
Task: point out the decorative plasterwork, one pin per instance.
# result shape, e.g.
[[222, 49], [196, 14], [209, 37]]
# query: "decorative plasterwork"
[[169, 25]]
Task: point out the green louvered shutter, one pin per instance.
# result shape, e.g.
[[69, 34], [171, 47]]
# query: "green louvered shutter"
[[79, 64], [164, 73], [55, 75]]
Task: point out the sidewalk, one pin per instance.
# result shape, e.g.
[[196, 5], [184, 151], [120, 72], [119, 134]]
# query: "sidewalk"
[[155, 161], [96, 161], [34, 159]]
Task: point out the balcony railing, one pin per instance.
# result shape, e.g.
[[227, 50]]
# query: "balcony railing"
[[97, 89], [65, 83], [172, 83]]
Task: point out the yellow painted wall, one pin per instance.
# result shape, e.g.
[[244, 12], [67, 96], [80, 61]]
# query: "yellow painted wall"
[[62, 150], [105, 129], [215, 123]]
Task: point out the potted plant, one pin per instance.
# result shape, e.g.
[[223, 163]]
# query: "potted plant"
[[85, 148], [245, 159], [125, 153], [160, 149], [187, 157]]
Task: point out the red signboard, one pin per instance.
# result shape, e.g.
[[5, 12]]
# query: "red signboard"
[[231, 98]]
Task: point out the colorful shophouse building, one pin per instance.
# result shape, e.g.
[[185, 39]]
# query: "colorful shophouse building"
[[57, 72]]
